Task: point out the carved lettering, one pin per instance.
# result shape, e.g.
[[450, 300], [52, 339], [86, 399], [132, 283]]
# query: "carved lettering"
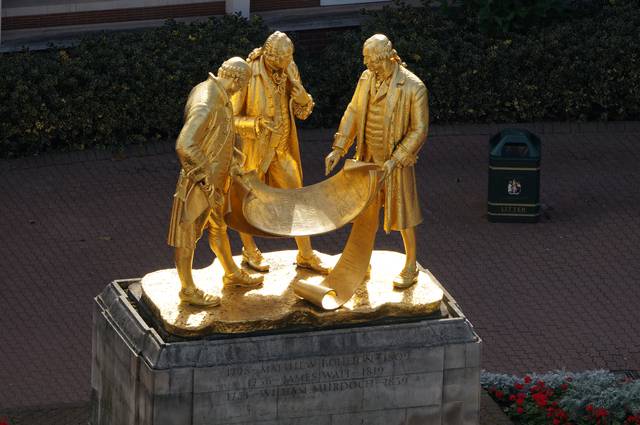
[[299, 378]]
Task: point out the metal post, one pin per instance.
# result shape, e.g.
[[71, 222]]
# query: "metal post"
[[235, 6]]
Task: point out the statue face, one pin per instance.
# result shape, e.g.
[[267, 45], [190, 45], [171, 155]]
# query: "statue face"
[[279, 61], [374, 63]]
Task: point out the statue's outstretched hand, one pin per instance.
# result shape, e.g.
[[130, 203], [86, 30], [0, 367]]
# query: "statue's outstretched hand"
[[331, 161], [387, 168]]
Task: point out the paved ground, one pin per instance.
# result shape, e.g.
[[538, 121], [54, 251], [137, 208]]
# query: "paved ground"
[[563, 293], [78, 414]]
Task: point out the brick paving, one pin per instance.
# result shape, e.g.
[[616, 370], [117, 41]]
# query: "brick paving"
[[490, 414], [563, 293]]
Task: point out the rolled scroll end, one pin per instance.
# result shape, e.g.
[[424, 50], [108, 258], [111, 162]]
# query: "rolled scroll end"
[[318, 295]]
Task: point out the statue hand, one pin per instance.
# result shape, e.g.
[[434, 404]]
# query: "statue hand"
[[331, 161], [269, 125], [236, 170], [387, 168]]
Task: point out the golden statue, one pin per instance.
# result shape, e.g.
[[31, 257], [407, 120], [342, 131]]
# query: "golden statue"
[[206, 151], [265, 111], [388, 117]]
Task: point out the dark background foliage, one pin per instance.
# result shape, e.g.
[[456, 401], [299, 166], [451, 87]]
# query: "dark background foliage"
[[114, 88], [539, 61]]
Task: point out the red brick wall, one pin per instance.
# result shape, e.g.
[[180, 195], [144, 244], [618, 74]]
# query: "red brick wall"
[[115, 15], [265, 5]]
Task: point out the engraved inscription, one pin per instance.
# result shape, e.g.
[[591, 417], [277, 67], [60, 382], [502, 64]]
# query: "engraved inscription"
[[319, 385]]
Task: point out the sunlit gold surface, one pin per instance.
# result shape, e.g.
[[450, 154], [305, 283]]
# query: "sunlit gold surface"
[[387, 120], [266, 111], [310, 210], [275, 306]]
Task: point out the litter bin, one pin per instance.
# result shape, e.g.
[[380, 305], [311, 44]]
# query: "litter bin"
[[514, 177]]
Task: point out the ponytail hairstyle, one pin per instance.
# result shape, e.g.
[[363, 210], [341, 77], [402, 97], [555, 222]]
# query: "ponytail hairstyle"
[[383, 49], [235, 68]]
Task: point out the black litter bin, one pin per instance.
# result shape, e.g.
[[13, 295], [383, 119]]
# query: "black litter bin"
[[514, 177]]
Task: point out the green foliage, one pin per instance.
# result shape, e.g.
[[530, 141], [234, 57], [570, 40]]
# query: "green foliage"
[[499, 17], [130, 87], [113, 88], [585, 68]]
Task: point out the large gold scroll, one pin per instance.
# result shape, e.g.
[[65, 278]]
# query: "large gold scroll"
[[350, 196]]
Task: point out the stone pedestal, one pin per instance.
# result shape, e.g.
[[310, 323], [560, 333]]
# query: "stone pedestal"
[[417, 371]]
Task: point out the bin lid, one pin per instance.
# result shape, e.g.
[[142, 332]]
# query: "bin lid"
[[515, 143]]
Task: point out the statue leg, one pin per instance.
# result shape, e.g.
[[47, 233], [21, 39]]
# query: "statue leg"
[[189, 293], [219, 244], [251, 255], [284, 172], [409, 274]]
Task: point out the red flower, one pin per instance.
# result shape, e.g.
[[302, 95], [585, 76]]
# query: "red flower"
[[518, 386], [589, 408], [556, 421], [601, 412], [512, 397], [499, 394], [520, 410], [540, 384], [540, 399], [527, 379], [564, 387]]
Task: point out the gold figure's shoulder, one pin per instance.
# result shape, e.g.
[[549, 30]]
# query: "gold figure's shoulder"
[[366, 74], [411, 78], [207, 93]]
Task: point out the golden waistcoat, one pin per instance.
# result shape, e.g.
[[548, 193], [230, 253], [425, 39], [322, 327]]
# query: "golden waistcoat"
[[405, 124]]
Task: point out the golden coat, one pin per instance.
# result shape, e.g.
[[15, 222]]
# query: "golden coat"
[[205, 147], [257, 100], [405, 127]]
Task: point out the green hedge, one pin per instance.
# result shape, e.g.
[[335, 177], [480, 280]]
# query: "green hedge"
[[578, 68], [130, 87], [114, 88]]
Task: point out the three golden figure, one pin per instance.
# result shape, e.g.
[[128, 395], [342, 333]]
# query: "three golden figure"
[[243, 121]]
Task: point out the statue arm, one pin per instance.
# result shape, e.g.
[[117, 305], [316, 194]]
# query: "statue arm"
[[343, 139], [190, 154], [246, 126], [300, 110], [406, 150]]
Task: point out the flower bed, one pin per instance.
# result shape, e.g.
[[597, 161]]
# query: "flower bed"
[[592, 397]]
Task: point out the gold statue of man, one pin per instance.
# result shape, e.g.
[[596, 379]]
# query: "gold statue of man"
[[205, 148], [389, 117], [265, 118]]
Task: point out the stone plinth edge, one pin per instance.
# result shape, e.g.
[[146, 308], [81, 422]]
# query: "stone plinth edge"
[[406, 373]]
